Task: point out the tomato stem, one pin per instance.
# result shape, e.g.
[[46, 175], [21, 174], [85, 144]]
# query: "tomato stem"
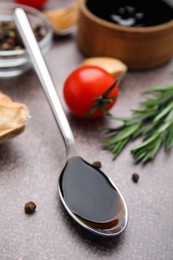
[[101, 101]]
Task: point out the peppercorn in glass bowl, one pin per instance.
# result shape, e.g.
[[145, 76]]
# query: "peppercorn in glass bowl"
[[13, 58]]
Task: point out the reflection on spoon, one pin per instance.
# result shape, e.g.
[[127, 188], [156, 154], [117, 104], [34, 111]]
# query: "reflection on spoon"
[[88, 195]]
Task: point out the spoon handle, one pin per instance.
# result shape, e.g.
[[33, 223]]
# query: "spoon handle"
[[43, 74]]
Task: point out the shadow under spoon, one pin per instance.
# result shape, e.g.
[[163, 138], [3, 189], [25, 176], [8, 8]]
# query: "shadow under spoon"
[[87, 194]]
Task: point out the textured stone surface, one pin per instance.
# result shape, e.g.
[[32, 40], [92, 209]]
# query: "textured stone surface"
[[31, 163]]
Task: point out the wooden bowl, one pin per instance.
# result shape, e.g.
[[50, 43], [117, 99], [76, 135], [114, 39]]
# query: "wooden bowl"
[[138, 47]]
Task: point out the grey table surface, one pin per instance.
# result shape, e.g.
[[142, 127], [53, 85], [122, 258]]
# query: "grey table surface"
[[30, 165]]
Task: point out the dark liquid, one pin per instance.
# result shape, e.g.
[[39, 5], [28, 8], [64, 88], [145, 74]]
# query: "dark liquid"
[[89, 194], [132, 13]]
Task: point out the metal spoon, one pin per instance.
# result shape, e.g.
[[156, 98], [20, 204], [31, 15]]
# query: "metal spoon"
[[87, 194]]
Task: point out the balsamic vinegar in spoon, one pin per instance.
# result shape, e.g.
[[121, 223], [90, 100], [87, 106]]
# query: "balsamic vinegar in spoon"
[[90, 195]]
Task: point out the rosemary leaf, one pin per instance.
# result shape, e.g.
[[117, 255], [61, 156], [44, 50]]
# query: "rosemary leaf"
[[169, 137], [164, 112], [118, 148], [147, 149], [159, 89]]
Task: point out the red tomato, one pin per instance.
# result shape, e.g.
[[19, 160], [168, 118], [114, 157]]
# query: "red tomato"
[[34, 3], [85, 84]]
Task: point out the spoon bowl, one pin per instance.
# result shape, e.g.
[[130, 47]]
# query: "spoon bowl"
[[88, 195], [101, 208]]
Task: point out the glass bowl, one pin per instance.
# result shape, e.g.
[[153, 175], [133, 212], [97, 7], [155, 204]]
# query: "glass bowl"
[[16, 62]]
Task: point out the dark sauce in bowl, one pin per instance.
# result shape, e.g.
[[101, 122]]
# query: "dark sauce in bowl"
[[132, 13]]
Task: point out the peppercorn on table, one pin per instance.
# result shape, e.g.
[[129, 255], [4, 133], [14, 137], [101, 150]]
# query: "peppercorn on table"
[[30, 165]]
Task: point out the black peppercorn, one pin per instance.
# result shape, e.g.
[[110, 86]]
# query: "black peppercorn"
[[97, 164], [10, 38], [30, 207], [135, 177]]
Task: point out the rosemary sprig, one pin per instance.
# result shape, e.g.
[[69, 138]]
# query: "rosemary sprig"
[[153, 122]]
